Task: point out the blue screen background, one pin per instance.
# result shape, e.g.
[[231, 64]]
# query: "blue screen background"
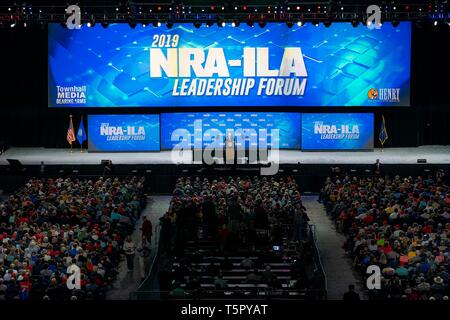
[[343, 63], [311, 141], [97, 142], [287, 123]]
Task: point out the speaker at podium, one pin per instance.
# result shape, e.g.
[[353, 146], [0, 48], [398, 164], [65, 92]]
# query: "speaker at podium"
[[230, 148]]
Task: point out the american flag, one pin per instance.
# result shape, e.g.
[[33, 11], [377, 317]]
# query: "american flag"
[[70, 132]]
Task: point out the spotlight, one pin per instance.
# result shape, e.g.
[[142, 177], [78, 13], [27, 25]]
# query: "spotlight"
[[315, 23], [221, 23], [355, 23], [395, 23], [198, 24], [299, 23], [105, 24], [13, 24], [132, 24], [435, 23], [144, 25], [235, 23], [156, 24], [250, 23], [169, 24], [289, 24], [262, 23], [209, 23], [448, 22]]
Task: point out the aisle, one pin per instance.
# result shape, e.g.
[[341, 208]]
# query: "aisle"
[[337, 266], [128, 282]]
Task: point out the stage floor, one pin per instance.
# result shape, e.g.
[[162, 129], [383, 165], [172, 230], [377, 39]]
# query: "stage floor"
[[34, 156]]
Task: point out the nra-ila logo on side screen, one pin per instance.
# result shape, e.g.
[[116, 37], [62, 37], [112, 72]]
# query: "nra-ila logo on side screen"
[[384, 94]]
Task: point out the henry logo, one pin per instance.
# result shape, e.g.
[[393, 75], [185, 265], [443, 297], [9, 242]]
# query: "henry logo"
[[372, 94], [384, 94]]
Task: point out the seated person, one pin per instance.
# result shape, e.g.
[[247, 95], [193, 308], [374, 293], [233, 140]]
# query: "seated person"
[[220, 283], [253, 277], [247, 263]]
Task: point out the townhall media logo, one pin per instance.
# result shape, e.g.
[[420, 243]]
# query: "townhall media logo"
[[216, 147]]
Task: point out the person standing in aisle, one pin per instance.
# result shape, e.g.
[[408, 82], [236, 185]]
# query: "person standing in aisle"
[[129, 247]]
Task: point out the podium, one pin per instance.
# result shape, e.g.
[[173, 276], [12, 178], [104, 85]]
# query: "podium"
[[230, 149]]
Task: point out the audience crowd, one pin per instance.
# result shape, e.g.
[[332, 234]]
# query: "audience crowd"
[[50, 225], [259, 217], [232, 211], [401, 225]]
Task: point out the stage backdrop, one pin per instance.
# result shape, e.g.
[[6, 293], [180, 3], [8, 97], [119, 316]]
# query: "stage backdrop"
[[123, 133], [242, 66], [337, 131], [262, 123]]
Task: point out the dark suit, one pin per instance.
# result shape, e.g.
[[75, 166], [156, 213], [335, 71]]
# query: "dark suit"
[[377, 168]]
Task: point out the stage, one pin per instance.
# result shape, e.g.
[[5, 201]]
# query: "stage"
[[34, 156]]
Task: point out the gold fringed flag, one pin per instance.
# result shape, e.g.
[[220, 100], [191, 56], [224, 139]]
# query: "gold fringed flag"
[[71, 132], [383, 132]]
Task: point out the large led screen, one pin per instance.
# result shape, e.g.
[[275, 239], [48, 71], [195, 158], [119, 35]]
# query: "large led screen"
[[229, 66], [337, 131], [246, 129], [119, 133]]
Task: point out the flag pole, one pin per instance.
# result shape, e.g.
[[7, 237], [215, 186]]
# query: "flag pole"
[[81, 144], [79, 128], [71, 143]]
